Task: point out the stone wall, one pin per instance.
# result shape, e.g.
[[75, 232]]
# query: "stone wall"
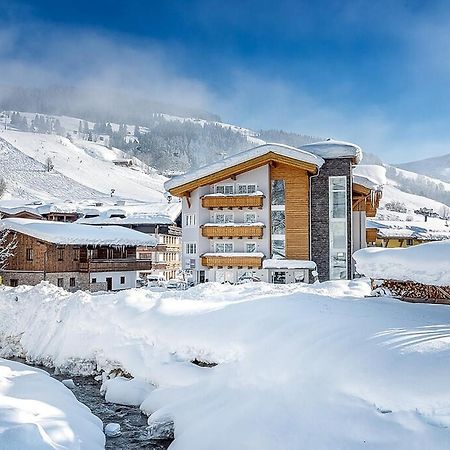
[[320, 242]]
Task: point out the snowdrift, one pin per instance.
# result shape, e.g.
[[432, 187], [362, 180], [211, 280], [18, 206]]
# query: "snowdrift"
[[40, 413], [315, 366], [426, 263]]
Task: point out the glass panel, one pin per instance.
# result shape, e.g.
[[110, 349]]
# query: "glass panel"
[[251, 247], [338, 183], [279, 278], [278, 249], [220, 189], [250, 218], [251, 188], [220, 218], [278, 192], [338, 238], [242, 189], [229, 189], [338, 265], [338, 199], [228, 248], [228, 218], [278, 222], [219, 248]]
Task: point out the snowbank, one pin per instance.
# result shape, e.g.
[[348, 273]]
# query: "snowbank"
[[39, 413], [314, 366], [426, 263]]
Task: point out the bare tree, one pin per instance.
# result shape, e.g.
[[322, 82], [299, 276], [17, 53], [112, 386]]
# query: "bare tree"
[[2, 186], [8, 243], [49, 164]]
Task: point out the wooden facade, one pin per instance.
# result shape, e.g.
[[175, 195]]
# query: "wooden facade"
[[364, 199], [232, 201], [232, 261], [223, 231], [296, 208]]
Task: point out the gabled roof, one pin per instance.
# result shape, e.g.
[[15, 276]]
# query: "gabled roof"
[[76, 234], [330, 149], [242, 162]]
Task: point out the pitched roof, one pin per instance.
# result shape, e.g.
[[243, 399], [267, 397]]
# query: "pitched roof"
[[77, 234], [256, 154]]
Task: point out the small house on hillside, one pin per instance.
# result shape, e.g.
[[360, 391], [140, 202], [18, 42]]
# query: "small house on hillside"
[[275, 202], [74, 256]]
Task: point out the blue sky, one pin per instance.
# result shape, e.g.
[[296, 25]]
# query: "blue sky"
[[376, 74]]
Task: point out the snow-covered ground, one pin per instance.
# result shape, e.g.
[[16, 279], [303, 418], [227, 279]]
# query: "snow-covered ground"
[[40, 413], [314, 366]]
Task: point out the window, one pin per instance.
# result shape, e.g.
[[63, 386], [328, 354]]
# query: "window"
[[29, 253], [227, 189], [224, 218], [250, 247], [94, 280], [76, 254], [224, 247], [278, 222], [246, 188], [250, 217], [122, 280], [278, 192], [14, 282], [72, 282], [279, 278], [338, 227], [409, 242], [191, 248], [60, 282], [60, 254], [278, 248], [190, 220]]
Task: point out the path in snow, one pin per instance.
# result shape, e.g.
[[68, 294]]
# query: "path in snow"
[[133, 423]]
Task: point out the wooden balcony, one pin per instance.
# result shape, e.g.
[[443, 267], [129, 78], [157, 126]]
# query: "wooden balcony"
[[233, 231], [232, 260], [115, 265], [371, 235], [232, 201]]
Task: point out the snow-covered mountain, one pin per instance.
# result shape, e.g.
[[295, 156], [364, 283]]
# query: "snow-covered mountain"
[[437, 167]]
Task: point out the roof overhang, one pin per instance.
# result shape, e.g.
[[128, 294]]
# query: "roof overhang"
[[270, 158]]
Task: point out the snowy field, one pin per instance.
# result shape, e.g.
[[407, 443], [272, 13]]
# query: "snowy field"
[[316, 367], [40, 413]]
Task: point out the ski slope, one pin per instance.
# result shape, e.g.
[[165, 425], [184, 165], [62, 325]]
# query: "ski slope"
[[82, 169]]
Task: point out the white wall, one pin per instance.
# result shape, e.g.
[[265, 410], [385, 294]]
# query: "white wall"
[[130, 279]]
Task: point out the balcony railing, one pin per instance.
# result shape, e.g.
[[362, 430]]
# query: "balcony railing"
[[253, 230], [232, 260], [115, 265], [233, 201]]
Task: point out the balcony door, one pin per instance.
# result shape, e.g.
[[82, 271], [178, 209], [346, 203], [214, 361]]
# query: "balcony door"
[[109, 283]]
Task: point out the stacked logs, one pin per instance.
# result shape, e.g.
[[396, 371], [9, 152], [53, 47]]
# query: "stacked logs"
[[411, 291]]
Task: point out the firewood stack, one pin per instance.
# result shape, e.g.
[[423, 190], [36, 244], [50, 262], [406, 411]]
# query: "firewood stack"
[[411, 291]]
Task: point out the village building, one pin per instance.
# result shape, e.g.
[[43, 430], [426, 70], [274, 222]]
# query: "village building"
[[74, 256], [275, 202], [163, 221]]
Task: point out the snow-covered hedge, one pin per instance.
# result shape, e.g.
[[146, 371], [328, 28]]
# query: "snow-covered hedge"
[[426, 263]]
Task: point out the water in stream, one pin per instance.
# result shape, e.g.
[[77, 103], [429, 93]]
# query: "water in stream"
[[132, 422]]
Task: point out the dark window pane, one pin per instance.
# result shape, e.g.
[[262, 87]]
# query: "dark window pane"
[[278, 222], [278, 192]]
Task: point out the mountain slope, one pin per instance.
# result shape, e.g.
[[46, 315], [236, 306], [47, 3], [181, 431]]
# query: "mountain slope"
[[82, 169], [437, 167]]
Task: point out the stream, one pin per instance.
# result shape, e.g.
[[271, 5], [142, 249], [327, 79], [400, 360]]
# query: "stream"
[[132, 422]]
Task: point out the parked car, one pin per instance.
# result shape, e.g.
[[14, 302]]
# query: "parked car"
[[179, 285], [155, 281]]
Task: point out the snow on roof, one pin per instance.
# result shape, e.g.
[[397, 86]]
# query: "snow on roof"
[[376, 174], [151, 213], [239, 158], [363, 181], [77, 234], [330, 149], [425, 231], [289, 264], [425, 263]]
